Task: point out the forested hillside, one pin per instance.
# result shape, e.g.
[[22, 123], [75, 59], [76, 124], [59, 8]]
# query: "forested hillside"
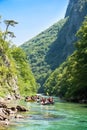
[[49, 49], [70, 79], [37, 49], [15, 74]]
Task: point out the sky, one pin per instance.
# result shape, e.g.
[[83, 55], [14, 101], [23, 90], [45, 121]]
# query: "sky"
[[33, 16]]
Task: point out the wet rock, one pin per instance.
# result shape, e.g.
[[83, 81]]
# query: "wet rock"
[[3, 105], [21, 108], [8, 113], [19, 116], [6, 122], [13, 109], [3, 115]]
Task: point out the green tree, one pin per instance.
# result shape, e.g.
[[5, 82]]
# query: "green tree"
[[9, 23], [26, 79], [70, 79], [15, 72]]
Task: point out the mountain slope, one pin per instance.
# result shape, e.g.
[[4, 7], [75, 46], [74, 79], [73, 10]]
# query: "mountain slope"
[[63, 46], [45, 54], [70, 79], [38, 47]]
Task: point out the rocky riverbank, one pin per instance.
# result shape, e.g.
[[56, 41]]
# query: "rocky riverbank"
[[8, 112]]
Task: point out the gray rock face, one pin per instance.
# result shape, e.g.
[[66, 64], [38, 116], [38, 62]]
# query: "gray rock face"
[[8, 80], [76, 12], [76, 6], [63, 46]]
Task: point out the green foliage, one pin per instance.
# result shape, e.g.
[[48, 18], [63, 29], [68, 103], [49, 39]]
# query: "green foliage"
[[7, 67], [37, 49], [9, 23], [14, 68], [70, 79], [26, 79], [51, 48]]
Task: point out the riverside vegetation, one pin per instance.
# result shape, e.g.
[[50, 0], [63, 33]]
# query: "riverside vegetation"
[[16, 76], [70, 79]]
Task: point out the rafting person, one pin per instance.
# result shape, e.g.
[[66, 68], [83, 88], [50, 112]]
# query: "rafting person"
[[51, 100], [43, 100], [38, 99]]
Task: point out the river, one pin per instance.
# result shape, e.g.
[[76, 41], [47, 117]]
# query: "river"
[[60, 116]]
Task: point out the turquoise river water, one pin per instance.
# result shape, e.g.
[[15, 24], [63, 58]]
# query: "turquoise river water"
[[60, 116]]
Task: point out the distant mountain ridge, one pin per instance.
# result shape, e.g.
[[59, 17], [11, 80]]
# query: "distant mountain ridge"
[[55, 50]]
